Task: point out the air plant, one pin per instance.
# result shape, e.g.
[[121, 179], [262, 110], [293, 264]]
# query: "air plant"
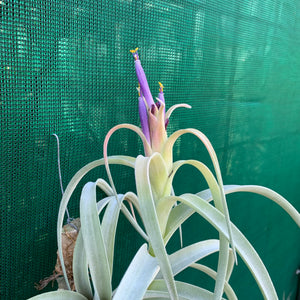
[[151, 272]]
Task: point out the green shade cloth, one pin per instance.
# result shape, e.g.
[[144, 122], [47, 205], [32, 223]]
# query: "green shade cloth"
[[66, 69]]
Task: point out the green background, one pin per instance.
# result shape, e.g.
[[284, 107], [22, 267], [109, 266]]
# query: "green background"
[[66, 69]]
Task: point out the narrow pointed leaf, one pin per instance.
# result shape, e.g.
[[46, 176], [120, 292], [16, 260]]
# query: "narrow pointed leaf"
[[158, 289], [139, 275], [163, 208], [132, 197], [184, 257], [151, 223], [172, 108], [177, 216], [105, 187], [218, 200], [268, 193], [80, 269], [109, 227], [244, 248], [59, 295], [133, 222], [94, 242], [105, 144], [213, 274], [121, 160], [222, 267], [230, 265], [167, 155], [80, 263]]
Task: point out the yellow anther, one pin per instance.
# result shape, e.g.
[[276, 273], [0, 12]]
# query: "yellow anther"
[[161, 86], [134, 50], [139, 90]]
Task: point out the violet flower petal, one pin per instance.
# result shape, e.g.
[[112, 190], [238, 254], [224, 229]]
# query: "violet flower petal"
[[143, 82], [144, 118], [142, 78]]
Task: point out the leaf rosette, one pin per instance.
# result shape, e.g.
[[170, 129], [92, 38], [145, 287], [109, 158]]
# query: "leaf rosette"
[[151, 272]]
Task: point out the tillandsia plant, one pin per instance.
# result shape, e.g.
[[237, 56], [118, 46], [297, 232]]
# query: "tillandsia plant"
[[150, 274]]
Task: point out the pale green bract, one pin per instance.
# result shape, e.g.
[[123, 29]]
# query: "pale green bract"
[[151, 272]]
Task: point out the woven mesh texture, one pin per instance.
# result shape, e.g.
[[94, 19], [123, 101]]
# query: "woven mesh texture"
[[66, 69]]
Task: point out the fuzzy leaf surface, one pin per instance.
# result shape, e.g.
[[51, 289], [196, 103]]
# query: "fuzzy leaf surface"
[[184, 257], [139, 275], [121, 160], [151, 223], [59, 295], [244, 248], [94, 244]]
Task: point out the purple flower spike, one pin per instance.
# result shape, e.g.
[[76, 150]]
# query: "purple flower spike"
[[144, 118], [142, 78], [152, 115]]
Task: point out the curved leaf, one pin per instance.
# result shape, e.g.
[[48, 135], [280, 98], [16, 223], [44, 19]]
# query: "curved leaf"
[[230, 265], [80, 263], [244, 248], [134, 128], [150, 220], [80, 269], [138, 276], [59, 295], [105, 187], [123, 160], [133, 222], [109, 226], [172, 108], [213, 274], [184, 257], [163, 209], [168, 156], [132, 197], [110, 222], [261, 190], [217, 196], [158, 290], [94, 244], [178, 215]]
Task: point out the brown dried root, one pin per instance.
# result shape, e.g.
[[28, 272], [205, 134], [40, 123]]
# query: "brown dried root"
[[69, 236]]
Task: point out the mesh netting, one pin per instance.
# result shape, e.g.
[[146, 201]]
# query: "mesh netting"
[[66, 69]]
